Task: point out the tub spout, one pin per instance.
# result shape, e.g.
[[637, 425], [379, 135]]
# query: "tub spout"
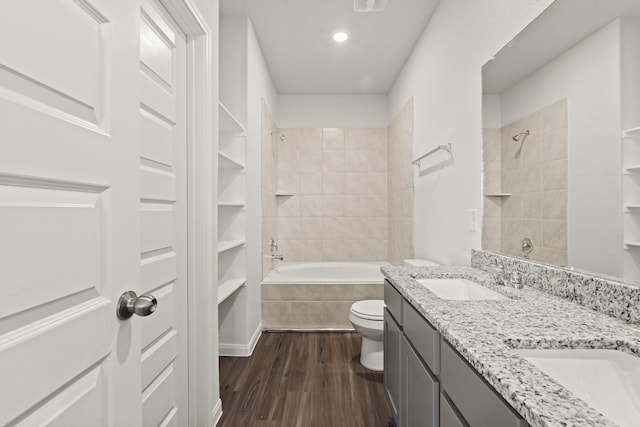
[[277, 257]]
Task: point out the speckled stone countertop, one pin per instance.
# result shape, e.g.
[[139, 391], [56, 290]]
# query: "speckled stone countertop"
[[486, 332]]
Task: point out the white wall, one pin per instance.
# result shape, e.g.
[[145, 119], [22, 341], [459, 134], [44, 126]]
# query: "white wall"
[[233, 65], [259, 86], [332, 111], [588, 75], [443, 75]]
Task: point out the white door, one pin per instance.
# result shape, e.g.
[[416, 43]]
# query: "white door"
[[69, 212], [163, 216]]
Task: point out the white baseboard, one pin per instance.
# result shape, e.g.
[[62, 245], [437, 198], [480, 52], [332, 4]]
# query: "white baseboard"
[[217, 413], [240, 350]]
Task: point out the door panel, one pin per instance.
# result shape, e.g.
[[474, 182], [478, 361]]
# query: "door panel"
[[163, 216], [69, 133]]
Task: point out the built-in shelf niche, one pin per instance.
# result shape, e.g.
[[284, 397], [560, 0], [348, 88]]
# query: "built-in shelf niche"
[[497, 195], [231, 205]]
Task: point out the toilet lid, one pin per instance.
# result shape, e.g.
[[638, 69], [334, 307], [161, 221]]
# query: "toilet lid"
[[372, 309]]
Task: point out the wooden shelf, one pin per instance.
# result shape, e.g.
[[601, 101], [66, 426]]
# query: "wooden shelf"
[[228, 122], [631, 132], [231, 204], [226, 162], [226, 245], [497, 195], [228, 287]]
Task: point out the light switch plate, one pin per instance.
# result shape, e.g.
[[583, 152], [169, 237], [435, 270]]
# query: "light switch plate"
[[473, 219]]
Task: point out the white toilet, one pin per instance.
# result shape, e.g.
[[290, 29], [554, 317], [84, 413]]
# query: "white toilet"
[[367, 318]]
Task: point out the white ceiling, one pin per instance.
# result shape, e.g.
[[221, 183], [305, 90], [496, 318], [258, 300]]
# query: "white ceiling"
[[295, 37], [561, 26]]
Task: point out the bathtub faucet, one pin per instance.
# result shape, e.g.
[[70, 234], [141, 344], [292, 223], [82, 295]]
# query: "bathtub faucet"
[[273, 245], [277, 257]]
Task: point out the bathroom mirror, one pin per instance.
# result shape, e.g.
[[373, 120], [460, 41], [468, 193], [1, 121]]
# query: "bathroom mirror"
[[561, 138]]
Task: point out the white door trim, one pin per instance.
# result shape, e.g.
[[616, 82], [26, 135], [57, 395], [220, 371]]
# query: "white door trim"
[[202, 294]]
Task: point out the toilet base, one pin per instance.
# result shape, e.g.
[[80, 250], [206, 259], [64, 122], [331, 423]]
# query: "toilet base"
[[372, 354]]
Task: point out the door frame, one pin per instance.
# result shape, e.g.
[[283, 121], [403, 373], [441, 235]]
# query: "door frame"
[[201, 269]]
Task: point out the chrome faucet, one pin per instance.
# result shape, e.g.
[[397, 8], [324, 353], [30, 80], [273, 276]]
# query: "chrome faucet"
[[277, 257], [496, 272], [501, 278]]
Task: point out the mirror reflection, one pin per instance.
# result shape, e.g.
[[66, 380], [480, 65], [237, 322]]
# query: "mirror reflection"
[[561, 139]]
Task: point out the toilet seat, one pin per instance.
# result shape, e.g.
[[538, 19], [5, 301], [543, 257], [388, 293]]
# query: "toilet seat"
[[371, 309]]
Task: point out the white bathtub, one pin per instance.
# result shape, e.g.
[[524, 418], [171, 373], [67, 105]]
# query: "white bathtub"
[[317, 295], [318, 273]]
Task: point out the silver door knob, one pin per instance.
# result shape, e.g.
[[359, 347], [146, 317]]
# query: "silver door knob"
[[130, 304]]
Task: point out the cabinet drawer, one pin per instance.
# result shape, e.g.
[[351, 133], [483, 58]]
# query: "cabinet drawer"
[[448, 415], [423, 337], [393, 301], [477, 402], [420, 390]]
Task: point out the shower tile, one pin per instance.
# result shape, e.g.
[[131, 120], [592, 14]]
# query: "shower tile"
[[333, 228], [554, 234], [532, 151], [532, 228], [311, 228], [377, 183], [333, 250], [554, 117], [289, 228], [310, 206], [277, 314], [332, 205], [289, 206], [304, 292], [512, 182], [512, 207], [307, 314], [289, 182], [377, 205], [332, 139], [336, 314], [491, 228], [333, 183], [377, 160], [333, 161], [355, 139], [532, 205], [355, 205], [554, 175], [554, 204], [310, 139], [292, 138], [310, 161], [378, 228], [310, 183], [355, 183], [377, 139], [532, 179], [493, 207], [492, 245], [555, 145], [355, 161]]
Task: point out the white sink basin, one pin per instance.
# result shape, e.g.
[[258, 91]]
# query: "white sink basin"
[[608, 380], [460, 289]]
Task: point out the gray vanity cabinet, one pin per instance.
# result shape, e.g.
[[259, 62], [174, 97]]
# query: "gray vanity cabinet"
[[420, 391], [470, 397], [393, 350], [392, 365], [427, 383]]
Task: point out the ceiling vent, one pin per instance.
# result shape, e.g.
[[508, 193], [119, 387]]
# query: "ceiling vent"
[[369, 5]]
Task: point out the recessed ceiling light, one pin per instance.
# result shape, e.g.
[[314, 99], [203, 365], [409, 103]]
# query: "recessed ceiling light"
[[340, 36]]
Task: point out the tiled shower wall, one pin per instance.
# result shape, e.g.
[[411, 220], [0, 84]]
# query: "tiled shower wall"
[[269, 187], [400, 155], [534, 173], [332, 200]]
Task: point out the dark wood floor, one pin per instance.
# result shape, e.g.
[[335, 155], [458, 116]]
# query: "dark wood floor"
[[310, 379]]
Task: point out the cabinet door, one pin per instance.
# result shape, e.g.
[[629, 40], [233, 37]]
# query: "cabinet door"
[[392, 368], [449, 416], [420, 406], [477, 401]]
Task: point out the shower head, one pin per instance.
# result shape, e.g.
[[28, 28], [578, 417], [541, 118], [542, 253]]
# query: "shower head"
[[281, 135], [522, 135]]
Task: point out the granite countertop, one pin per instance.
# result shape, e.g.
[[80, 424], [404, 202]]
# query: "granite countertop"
[[486, 332]]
